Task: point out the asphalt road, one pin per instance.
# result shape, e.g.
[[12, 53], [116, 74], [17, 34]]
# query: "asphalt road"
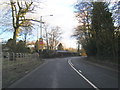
[[70, 72]]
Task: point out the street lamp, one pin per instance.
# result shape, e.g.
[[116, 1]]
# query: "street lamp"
[[42, 23], [41, 39]]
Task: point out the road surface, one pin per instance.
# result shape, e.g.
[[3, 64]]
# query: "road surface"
[[70, 72]]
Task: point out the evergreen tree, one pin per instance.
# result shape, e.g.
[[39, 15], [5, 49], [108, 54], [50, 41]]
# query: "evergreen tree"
[[96, 32], [102, 25]]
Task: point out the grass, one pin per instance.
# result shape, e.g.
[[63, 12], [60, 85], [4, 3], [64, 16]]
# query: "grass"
[[14, 70], [104, 62]]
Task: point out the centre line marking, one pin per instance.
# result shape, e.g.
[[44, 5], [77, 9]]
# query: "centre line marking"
[[69, 61]]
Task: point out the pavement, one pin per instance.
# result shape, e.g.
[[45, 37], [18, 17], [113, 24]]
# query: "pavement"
[[70, 72]]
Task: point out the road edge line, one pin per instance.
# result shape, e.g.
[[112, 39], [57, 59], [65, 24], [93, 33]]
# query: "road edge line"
[[70, 63]]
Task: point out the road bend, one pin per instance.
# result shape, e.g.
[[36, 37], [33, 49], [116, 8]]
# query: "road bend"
[[70, 72]]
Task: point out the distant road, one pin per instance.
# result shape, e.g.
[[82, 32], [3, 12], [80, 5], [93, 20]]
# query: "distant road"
[[70, 72]]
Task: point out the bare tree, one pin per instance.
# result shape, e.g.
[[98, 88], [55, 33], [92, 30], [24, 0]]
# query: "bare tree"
[[26, 30], [19, 15], [46, 26], [52, 37]]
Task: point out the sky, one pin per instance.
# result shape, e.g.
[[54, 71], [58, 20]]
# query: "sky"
[[63, 16]]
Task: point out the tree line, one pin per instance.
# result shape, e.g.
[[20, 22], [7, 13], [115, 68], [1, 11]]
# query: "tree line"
[[99, 30]]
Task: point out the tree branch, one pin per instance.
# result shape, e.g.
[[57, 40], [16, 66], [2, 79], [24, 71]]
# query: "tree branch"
[[32, 20]]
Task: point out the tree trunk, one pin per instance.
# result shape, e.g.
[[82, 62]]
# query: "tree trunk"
[[14, 41]]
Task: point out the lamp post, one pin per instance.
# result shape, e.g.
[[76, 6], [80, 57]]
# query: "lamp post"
[[42, 23], [41, 27], [41, 39]]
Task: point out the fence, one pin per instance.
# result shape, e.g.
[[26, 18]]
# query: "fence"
[[11, 59], [16, 65], [13, 56]]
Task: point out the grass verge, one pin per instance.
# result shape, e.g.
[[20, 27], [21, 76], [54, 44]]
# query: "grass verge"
[[14, 70], [104, 63]]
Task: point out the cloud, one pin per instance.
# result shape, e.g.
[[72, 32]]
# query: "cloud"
[[63, 16]]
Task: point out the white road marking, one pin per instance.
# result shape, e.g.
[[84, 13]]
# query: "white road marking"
[[80, 71], [69, 61]]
